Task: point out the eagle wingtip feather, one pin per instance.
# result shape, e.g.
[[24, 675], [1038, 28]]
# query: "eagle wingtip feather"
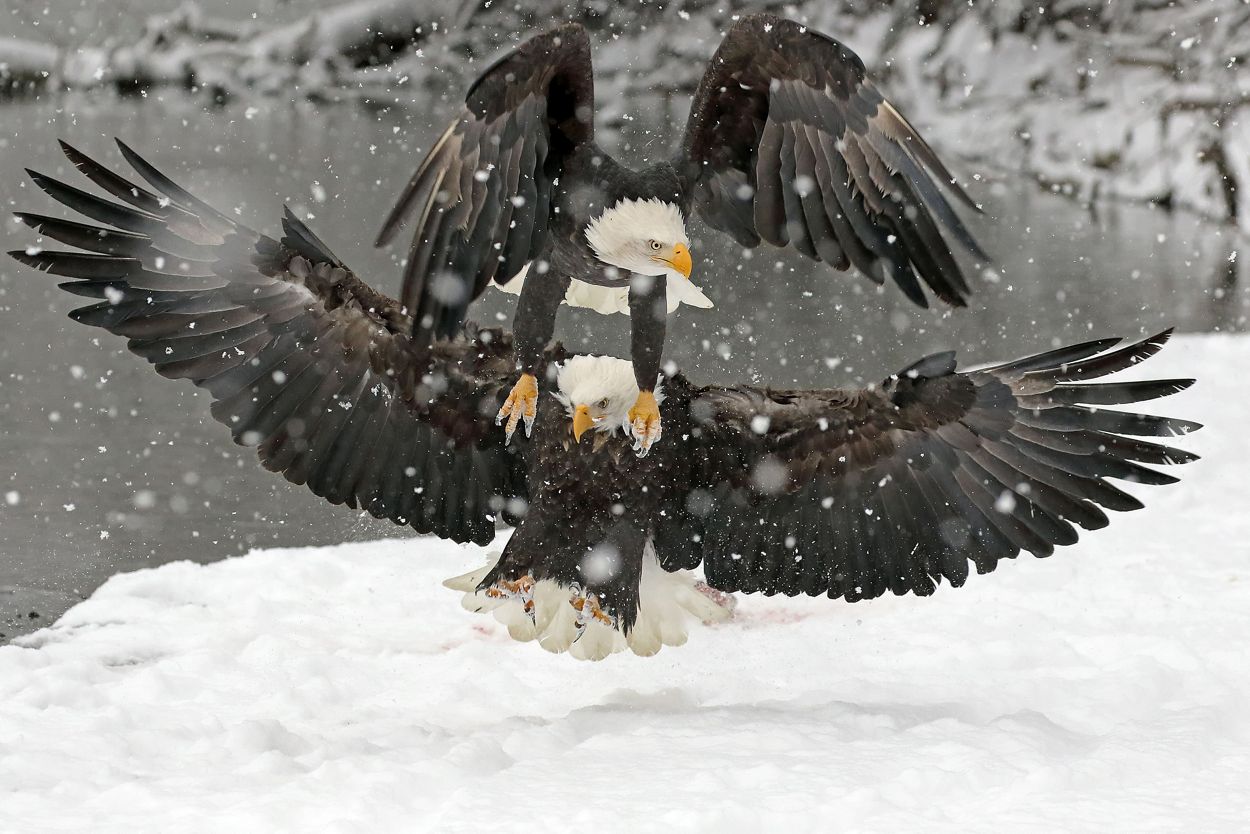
[[384, 236]]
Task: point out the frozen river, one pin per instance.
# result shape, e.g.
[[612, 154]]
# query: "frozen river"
[[105, 467]]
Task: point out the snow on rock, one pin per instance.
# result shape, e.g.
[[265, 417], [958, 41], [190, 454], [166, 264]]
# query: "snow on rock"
[[1133, 100], [309, 58], [344, 689], [24, 62]]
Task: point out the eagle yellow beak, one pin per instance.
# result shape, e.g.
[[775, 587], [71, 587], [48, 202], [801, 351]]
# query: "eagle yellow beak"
[[582, 421], [679, 259]]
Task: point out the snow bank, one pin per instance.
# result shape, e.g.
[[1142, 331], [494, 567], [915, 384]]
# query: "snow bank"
[[344, 689], [1135, 100]]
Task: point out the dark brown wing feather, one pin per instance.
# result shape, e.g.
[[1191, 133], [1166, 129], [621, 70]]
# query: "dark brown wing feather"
[[857, 492], [788, 142], [481, 199], [304, 360]]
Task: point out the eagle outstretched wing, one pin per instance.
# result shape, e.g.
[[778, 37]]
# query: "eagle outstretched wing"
[[304, 360], [788, 142], [853, 493], [482, 197]]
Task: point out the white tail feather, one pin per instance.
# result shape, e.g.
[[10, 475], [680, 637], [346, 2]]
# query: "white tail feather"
[[609, 300], [667, 602]]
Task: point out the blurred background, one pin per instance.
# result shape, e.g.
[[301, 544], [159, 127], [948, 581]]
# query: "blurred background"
[[1108, 144]]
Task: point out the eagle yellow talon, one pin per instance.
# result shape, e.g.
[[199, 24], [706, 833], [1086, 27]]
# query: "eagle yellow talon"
[[587, 610], [521, 589], [589, 607], [644, 420], [522, 404], [507, 588]]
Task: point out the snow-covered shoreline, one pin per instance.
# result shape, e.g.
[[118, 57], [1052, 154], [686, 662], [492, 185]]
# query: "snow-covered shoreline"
[[344, 689]]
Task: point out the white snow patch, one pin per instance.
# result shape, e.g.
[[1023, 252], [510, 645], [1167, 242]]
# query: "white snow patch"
[[344, 689]]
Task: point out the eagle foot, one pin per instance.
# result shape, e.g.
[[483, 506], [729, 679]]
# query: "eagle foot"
[[566, 618], [644, 422], [520, 589], [587, 610], [522, 404]]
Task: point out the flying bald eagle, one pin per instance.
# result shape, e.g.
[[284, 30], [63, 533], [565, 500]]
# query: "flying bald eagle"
[[848, 493], [787, 143]]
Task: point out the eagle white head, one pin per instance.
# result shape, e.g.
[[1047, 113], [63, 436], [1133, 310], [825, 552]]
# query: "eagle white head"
[[598, 391], [643, 236], [647, 237]]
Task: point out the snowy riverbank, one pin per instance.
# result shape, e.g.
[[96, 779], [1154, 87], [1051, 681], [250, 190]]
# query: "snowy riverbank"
[[1135, 100], [343, 689]]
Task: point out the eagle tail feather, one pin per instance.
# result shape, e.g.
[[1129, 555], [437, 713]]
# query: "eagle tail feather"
[[667, 603]]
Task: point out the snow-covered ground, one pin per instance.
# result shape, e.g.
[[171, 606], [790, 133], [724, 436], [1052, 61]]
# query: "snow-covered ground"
[[344, 689]]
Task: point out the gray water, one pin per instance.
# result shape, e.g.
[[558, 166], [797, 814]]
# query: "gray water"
[[105, 467]]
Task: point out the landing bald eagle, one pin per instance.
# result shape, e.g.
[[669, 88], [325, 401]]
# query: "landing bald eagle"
[[843, 492], [788, 143]]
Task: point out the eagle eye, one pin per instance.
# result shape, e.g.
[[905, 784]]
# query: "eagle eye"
[[655, 244], [603, 403]]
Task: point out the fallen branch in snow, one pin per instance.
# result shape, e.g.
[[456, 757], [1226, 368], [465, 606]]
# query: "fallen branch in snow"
[[1184, 102]]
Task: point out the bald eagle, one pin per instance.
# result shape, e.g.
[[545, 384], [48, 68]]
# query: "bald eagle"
[[788, 143], [842, 492]]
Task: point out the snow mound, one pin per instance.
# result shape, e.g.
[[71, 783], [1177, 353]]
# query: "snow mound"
[[344, 689]]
